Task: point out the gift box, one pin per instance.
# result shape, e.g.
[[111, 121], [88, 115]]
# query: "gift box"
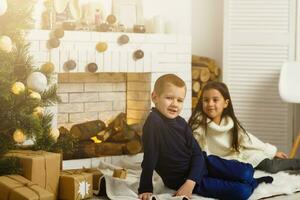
[[40, 167], [75, 185], [16, 187], [96, 176]]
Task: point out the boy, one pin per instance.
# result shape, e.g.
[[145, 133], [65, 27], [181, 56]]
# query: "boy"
[[171, 150]]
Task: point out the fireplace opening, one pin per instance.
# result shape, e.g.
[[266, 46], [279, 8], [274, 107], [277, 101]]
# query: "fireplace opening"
[[104, 111]]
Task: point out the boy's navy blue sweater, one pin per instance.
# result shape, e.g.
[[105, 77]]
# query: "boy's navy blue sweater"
[[171, 150]]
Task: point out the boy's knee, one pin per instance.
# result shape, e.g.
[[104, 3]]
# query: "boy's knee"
[[243, 193]]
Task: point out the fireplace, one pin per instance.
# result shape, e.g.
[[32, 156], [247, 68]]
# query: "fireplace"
[[121, 83]]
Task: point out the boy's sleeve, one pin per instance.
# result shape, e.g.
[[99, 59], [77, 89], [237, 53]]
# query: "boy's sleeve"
[[198, 166], [150, 144]]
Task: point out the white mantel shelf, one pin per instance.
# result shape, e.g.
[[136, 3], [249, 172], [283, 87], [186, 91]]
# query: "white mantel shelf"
[[162, 52]]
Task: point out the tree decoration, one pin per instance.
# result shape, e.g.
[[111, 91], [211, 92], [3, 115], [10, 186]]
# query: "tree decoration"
[[38, 111], [53, 43], [37, 81], [17, 111], [18, 88], [47, 68], [69, 65], [111, 19], [92, 67], [5, 43], [138, 54], [19, 136], [3, 7], [59, 33], [54, 133], [35, 95], [101, 47], [123, 39]]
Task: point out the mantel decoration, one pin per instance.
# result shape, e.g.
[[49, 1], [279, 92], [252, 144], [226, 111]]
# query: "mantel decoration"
[[25, 91]]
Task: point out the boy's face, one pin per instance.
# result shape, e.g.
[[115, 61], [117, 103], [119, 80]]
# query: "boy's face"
[[170, 101]]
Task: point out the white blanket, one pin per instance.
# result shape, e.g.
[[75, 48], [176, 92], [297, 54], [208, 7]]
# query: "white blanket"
[[126, 189]]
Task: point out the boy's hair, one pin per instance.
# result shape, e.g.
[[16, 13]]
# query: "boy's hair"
[[162, 81], [199, 117]]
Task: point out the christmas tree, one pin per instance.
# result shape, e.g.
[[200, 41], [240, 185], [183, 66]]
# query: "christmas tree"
[[25, 90]]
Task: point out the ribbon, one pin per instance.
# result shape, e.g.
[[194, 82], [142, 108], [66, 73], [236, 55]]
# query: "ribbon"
[[22, 184]]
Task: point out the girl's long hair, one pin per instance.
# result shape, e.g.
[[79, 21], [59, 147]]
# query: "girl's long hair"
[[199, 118]]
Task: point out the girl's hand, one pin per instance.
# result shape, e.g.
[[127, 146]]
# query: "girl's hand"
[[145, 196], [280, 154], [186, 189]]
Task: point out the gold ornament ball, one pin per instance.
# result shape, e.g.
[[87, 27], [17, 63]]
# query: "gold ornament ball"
[[47, 68], [101, 46], [111, 19], [5, 43], [38, 111], [17, 88], [35, 95], [54, 133], [19, 136]]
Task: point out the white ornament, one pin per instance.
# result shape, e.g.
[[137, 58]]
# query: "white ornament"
[[84, 188], [37, 81], [3, 6], [5, 43], [54, 133]]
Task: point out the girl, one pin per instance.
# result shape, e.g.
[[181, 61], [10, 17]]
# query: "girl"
[[219, 132]]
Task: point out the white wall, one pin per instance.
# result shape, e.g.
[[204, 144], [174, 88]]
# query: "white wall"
[[207, 29], [177, 12]]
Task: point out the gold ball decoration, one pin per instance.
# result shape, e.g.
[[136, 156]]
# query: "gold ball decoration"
[[19, 136], [5, 43], [138, 54], [101, 46], [123, 39], [37, 81], [54, 133], [53, 43], [47, 68], [18, 88], [59, 33], [111, 19], [38, 111], [92, 67], [35, 95], [70, 65]]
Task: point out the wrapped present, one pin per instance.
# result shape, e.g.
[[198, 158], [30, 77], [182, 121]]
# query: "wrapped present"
[[16, 187], [40, 167], [120, 173], [75, 185], [96, 176]]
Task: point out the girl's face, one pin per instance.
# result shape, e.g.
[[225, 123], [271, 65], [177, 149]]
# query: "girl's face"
[[214, 104]]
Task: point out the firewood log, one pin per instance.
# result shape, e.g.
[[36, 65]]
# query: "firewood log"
[[109, 149], [133, 147], [194, 102], [204, 74], [104, 135], [86, 130], [137, 128], [118, 122], [196, 87], [195, 73], [123, 136]]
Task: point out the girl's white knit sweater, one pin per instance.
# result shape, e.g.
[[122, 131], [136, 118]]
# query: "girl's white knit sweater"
[[218, 138]]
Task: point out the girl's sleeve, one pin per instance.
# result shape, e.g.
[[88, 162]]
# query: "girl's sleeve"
[[199, 135], [151, 149], [253, 143]]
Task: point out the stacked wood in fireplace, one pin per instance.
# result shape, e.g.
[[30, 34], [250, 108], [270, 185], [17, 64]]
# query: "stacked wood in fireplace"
[[204, 69], [97, 138]]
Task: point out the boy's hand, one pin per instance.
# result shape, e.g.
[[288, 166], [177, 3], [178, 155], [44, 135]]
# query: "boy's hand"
[[145, 196], [280, 154], [186, 189]]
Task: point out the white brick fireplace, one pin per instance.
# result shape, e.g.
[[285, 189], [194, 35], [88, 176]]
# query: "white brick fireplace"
[[121, 84]]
